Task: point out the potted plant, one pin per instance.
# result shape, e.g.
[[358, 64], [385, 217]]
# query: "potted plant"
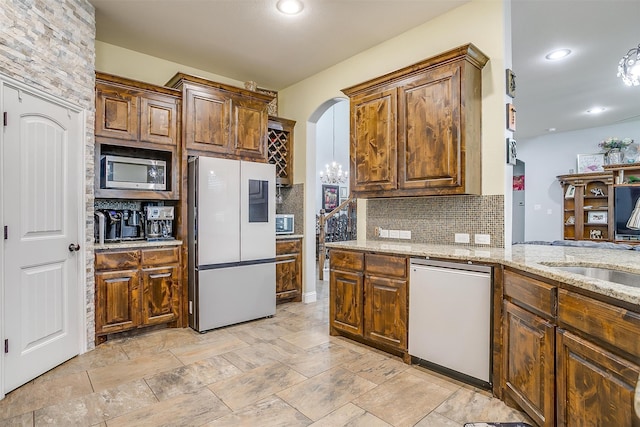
[[612, 146]]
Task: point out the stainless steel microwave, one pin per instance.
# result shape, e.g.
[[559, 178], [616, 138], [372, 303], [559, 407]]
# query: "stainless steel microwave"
[[284, 223], [133, 173]]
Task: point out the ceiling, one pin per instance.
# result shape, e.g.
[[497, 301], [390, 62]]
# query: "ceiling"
[[249, 40]]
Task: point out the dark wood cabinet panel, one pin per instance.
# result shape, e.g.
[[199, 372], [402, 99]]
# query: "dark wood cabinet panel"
[[346, 307], [595, 387], [116, 113], [529, 363], [374, 141], [147, 293], [158, 121], [117, 297], [385, 311], [160, 295], [249, 132], [289, 270], [207, 120], [532, 294], [417, 131]]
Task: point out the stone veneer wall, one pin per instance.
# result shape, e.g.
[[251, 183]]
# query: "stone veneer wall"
[[435, 220], [50, 45], [293, 203]]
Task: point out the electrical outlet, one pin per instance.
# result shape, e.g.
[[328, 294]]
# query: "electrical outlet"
[[394, 234], [384, 233], [482, 239], [377, 231], [405, 234], [461, 238]]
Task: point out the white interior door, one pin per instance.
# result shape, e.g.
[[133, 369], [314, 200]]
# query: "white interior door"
[[41, 149]]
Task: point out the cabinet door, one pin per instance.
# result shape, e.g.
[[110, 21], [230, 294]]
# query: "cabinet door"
[[595, 387], [117, 305], [385, 311], [159, 295], [373, 141], [116, 113], [207, 121], [529, 363], [345, 305], [287, 276], [249, 128], [158, 120], [430, 150]]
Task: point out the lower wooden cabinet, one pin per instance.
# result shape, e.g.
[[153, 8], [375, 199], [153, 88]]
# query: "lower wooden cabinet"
[[289, 269], [595, 386], [368, 298], [136, 288], [568, 359]]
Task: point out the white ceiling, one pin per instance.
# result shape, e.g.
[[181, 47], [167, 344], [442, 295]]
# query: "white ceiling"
[[249, 40]]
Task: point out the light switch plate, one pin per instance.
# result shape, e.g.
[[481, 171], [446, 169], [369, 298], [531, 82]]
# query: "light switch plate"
[[405, 234], [384, 233], [394, 234], [461, 238], [482, 239]]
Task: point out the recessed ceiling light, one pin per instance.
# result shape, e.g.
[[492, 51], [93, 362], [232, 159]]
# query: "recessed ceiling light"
[[595, 110], [290, 7], [558, 54]]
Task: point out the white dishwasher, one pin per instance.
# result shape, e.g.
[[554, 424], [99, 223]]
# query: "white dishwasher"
[[450, 309]]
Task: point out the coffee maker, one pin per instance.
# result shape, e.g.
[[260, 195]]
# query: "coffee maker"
[[159, 222], [117, 225], [131, 225]]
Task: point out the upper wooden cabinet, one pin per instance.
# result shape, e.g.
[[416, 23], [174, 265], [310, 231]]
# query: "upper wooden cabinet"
[[417, 131], [280, 148], [223, 119], [134, 111]]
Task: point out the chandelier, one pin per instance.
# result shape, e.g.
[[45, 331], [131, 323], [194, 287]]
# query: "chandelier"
[[333, 173], [629, 67]]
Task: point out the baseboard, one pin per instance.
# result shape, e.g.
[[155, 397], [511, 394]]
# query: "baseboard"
[[308, 297]]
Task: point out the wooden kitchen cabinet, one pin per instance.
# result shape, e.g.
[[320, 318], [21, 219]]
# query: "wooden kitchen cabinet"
[[416, 131], [135, 111], [222, 119], [289, 270], [529, 311], [588, 206], [369, 298], [136, 288], [280, 148]]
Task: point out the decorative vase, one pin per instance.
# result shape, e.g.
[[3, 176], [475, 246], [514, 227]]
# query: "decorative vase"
[[614, 157]]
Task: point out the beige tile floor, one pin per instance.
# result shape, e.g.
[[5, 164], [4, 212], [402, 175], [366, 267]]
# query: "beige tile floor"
[[282, 371]]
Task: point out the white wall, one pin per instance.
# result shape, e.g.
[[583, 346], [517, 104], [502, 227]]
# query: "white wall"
[[324, 145], [549, 156]]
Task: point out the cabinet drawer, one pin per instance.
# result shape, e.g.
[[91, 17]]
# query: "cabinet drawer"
[[161, 256], [117, 259], [386, 265], [346, 260], [288, 246], [534, 294], [609, 324]]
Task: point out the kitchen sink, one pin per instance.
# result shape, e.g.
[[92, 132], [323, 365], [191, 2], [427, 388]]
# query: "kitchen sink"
[[615, 276]]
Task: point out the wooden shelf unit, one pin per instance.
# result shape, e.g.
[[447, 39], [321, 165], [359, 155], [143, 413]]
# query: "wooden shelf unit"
[[588, 208]]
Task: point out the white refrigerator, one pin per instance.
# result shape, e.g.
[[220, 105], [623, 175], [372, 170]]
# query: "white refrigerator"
[[232, 244]]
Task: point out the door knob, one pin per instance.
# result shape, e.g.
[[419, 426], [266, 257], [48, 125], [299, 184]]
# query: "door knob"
[[73, 247]]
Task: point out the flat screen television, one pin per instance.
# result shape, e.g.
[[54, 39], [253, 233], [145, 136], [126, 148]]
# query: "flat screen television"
[[625, 202]]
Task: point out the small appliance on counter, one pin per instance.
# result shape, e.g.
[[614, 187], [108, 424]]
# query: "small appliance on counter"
[[284, 223], [159, 222], [112, 225]]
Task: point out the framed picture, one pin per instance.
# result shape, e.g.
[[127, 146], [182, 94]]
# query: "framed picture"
[[597, 217], [343, 192], [511, 84], [511, 117], [571, 191], [518, 182], [590, 163], [512, 151], [330, 197]]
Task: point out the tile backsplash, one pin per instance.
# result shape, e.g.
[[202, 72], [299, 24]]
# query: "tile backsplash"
[[435, 220], [293, 203]]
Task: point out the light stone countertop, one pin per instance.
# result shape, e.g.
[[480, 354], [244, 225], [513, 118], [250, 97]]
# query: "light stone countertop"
[[137, 244], [529, 258], [289, 236]]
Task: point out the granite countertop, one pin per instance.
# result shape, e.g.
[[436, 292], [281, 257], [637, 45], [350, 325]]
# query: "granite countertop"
[[529, 258], [289, 236], [137, 244]]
